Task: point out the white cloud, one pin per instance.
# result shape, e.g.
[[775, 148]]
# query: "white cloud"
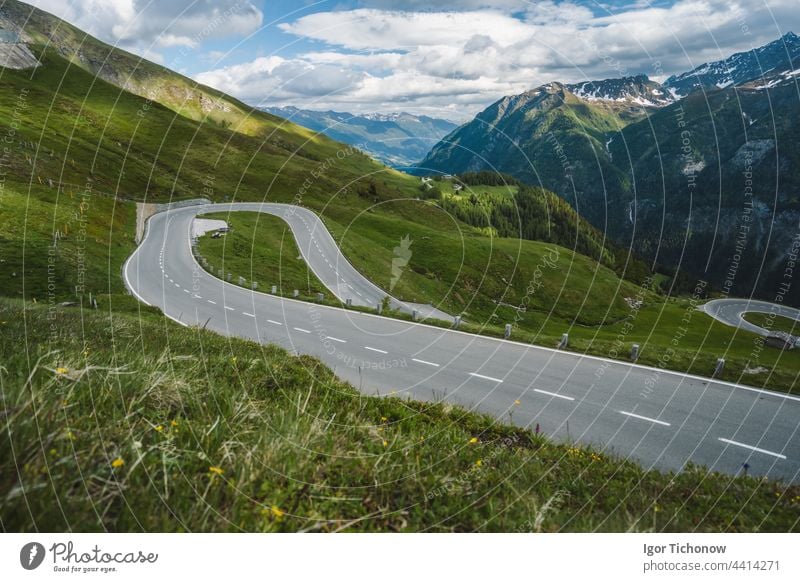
[[142, 25], [454, 54], [453, 5], [368, 29], [271, 79]]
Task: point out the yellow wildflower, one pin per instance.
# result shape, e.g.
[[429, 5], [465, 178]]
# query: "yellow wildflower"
[[385, 443], [216, 470], [478, 463], [117, 463], [62, 371], [173, 423], [277, 512], [383, 419], [473, 440], [158, 428]]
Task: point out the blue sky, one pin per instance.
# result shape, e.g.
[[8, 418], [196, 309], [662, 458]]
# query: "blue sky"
[[449, 59]]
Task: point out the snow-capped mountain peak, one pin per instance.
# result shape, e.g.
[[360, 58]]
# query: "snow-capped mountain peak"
[[636, 90], [781, 55]]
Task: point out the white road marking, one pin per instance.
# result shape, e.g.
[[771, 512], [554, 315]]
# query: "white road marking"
[[553, 394], [300, 329], [756, 449], [647, 418], [424, 362], [247, 314], [375, 350], [273, 322], [186, 291], [335, 339], [211, 302], [485, 377], [229, 308]]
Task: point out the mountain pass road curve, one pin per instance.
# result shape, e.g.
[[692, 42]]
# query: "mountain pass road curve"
[[661, 419]]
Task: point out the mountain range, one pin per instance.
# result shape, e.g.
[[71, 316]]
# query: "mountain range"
[[397, 139], [700, 173]]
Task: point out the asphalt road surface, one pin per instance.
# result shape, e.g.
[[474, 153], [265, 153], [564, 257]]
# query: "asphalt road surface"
[[730, 312], [661, 419], [320, 251]]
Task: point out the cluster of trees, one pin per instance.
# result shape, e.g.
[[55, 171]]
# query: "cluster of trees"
[[533, 213]]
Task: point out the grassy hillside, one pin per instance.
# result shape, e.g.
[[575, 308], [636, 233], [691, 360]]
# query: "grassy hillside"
[[72, 129], [259, 247], [138, 76], [130, 423]]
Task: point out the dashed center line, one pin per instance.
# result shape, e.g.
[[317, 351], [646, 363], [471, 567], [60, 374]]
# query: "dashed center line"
[[211, 302], [229, 308], [375, 350], [553, 394], [647, 418], [300, 329], [247, 314], [485, 377], [427, 363], [752, 448], [336, 339], [273, 322]]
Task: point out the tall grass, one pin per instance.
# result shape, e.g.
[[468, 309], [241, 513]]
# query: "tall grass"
[[123, 423]]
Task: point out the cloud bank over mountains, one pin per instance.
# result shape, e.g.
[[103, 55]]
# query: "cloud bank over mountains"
[[450, 60]]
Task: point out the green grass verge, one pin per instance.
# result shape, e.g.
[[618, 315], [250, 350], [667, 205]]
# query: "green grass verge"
[[52, 243], [776, 323], [124, 423], [274, 260]]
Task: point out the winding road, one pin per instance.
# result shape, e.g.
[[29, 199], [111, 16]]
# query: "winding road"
[[731, 311], [658, 418]]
